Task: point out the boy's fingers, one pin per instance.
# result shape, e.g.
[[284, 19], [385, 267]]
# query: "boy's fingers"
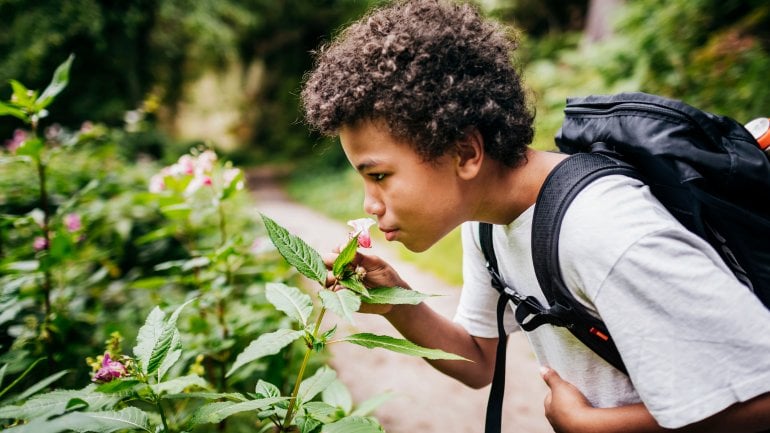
[[550, 376], [329, 259]]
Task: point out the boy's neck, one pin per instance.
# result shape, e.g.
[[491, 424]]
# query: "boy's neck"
[[507, 192]]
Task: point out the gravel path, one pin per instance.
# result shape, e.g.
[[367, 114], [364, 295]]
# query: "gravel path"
[[424, 400]]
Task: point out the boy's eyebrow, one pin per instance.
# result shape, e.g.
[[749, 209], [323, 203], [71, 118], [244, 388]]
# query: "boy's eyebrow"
[[367, 164]]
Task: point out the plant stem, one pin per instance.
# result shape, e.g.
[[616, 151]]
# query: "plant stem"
[[293, 399], [162, 415], [46, 270]]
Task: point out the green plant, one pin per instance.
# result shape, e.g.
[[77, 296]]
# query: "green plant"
[[143, 392]]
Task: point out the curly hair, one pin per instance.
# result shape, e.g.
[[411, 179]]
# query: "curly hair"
[[430, 69]]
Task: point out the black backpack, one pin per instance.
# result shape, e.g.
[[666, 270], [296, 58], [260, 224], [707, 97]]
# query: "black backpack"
[[707, 170]]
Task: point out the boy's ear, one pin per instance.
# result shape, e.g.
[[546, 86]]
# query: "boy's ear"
[[469, 154]]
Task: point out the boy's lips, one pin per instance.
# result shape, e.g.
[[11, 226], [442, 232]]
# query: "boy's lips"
[[390, 234]]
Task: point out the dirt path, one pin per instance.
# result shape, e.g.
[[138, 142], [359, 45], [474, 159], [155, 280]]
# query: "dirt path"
[[424, 400]]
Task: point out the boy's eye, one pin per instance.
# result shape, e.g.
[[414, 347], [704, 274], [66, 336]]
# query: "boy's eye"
[[377, 176]]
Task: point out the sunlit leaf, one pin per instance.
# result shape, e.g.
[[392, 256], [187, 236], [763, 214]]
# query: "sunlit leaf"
[[353, 424], [313, 385], [354, 284], [342, 302], [299, 254], [395, 295], [290, 300], [12, 110], [338, 395], [60, 79], [398, 345], [179, 384], [346, 256], [266, 389], [148, 336], [217, 411], [371, 404], [55, 403], [266, 344]]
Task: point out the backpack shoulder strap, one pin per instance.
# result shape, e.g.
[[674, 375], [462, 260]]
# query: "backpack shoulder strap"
[[494, 416], [559, 190]]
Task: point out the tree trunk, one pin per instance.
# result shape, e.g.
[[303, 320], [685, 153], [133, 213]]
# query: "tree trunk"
[[601, 14]]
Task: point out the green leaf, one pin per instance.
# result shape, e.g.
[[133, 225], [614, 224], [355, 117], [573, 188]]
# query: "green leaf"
[[353, 424], [342, 302], [119, 385], [217, 411], [12, 110], [31, 147], [306, 424], [354, 284], [148, 336], [371, 404], [323, 412], [290, 300], [395, 295], [179, 384], [266, 344], [313, 385], [399, 345], [266, 389], [338, 395], [32, 390], [166, 344], [22, 96], [234, 396], [304, 258], [346, 256], [106, 421], [55, 403], [60, 79]]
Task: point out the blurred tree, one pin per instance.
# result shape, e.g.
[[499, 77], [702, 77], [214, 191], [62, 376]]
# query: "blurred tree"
[[538, 18], [139, 54]]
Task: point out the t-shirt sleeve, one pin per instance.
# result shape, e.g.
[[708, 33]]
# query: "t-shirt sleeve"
[[693, 339], [477, 309]]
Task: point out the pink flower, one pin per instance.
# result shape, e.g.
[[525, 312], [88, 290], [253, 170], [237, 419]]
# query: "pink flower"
[[110, 370], [72, 222], [205, 162], [361, 228], [19, 136], [40, 243], [157, 183]]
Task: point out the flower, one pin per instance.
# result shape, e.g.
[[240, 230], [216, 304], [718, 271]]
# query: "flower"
[[157, 183], [72, 222], [40, 243], [361, 228], [110, 370], [19, 136]]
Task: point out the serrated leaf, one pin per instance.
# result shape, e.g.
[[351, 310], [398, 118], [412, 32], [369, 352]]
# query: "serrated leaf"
[[313, 385], [119, 385], [399, 345], [32, 390], [2, 373], [105, 421], [290, 300], [353, 283], [323, 412], [353, 424], [266, 389], [165, 350], [346, 256], [342, 302], [338, 395], [299, 254], [306, 424], [266, 344], [395, 295], [55, 403], [59, 81], [217, 411], [148, 336]]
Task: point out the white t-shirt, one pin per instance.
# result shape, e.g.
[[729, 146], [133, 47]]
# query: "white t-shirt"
[[693, 339]]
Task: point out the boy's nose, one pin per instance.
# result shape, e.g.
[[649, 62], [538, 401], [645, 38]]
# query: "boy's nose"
[[373, 206]]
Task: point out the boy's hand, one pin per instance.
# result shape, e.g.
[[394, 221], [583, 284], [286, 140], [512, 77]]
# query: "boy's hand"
[[378, 274], [564, 404]]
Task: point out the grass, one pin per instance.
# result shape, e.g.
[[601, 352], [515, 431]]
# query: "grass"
[[340, 196]]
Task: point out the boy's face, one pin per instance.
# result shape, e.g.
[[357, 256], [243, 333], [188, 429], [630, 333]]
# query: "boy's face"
[[415, 202]]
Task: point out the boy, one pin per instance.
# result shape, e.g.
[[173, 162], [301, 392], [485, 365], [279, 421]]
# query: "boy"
[[432, 114]]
